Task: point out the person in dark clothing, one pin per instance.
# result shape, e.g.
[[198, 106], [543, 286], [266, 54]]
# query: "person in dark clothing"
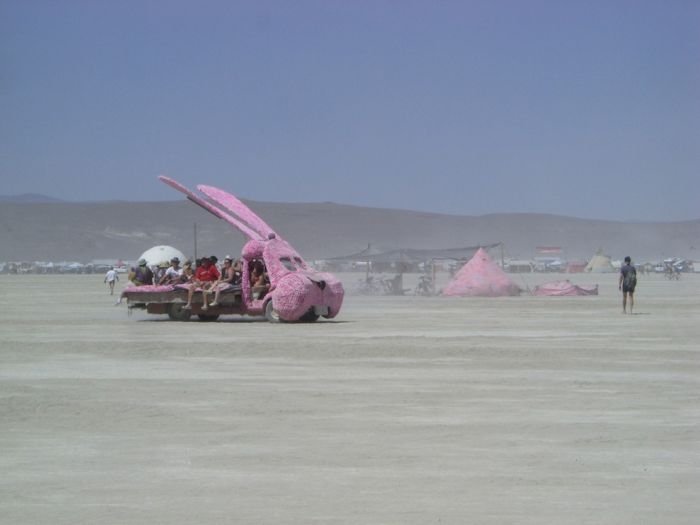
[[141, 275], [627, 283]]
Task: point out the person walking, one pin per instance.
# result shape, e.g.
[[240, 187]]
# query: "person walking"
[[111, 279], [627, 283]]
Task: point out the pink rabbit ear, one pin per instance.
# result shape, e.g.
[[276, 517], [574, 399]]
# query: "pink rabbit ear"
[[235, 206], [244, 229]]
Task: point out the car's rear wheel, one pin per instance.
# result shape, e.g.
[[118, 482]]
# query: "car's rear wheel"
[[208, 317]]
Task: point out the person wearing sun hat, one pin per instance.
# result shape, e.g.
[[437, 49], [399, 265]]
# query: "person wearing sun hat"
[[173, 275], [141, 274]]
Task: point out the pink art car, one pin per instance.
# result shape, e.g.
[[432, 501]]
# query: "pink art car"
[[296, 291]]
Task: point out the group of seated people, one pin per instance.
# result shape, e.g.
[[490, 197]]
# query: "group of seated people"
[[207, 277]]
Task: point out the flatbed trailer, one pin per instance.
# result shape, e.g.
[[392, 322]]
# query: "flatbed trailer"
[[172, 299]]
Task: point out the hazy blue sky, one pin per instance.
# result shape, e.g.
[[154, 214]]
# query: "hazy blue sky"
[[582, 108]]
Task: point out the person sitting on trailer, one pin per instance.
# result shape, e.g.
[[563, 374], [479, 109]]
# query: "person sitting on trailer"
[[230, 277], [173, 275], [159, 271], [204, 278], [141, 275], [187, 272]]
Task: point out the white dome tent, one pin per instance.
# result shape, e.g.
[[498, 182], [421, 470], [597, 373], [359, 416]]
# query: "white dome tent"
[[161, 254]]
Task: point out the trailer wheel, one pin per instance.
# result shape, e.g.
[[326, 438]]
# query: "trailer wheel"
[[176, 312], [271, 314], [208, 317]]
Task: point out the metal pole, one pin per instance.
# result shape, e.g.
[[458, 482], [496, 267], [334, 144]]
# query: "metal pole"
[[369, 245], [195, 243]]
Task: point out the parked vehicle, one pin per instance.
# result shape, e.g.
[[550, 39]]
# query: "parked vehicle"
[[297, 292]]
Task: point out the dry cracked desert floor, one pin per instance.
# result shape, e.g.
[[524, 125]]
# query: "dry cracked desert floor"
[[403, 410]]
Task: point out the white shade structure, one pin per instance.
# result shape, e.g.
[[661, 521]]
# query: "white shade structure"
[[160, 254]]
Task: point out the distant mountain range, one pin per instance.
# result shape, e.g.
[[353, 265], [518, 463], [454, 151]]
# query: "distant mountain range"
[[36, 227], [28, 197]]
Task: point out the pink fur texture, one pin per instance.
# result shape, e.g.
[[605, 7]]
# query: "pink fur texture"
[[235, 206], [295, 288], [247, 231], [149, 288]]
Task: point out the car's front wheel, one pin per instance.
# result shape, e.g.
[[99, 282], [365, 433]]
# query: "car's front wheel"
[[309, 317], [271, 314]]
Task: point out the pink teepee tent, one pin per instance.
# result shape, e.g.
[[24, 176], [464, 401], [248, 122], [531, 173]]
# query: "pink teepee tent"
[[481, 277]]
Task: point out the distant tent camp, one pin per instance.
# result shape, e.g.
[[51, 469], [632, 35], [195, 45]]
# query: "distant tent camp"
[[575, 266], [600, 263], [410, 255], [564, 288], [481, 277], [366, 255]]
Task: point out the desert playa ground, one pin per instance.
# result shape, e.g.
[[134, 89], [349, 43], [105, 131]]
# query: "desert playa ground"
[[402, 410]]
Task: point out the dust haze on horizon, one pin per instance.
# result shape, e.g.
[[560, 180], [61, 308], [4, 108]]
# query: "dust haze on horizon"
[[587, 110]]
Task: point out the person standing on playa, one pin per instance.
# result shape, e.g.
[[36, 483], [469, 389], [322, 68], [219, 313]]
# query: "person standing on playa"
[[627, 283], [111, 279]]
